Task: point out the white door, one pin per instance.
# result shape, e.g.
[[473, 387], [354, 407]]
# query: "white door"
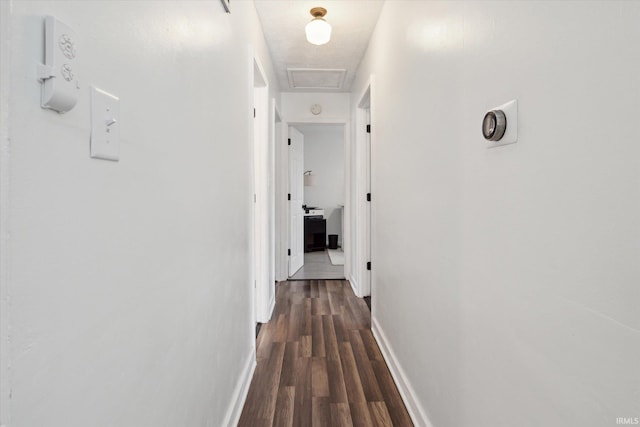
[[363, 258], [296, 189], [366, 288]]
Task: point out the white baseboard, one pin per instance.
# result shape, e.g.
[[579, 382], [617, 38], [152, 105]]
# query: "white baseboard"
[[240, 392], [416, 411], [354, 286], [272, 306], [267, 315]]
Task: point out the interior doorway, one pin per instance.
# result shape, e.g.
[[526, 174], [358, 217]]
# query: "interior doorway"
[[322, 200]]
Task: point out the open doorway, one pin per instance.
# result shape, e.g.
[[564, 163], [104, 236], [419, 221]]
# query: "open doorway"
[[322, 149]]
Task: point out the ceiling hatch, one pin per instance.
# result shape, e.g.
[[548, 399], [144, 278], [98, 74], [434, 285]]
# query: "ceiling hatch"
[[316, 78]]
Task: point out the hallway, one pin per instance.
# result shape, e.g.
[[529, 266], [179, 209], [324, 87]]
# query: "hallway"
[[151, 213], [318, 363]]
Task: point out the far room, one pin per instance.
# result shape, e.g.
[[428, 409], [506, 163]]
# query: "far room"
[[323, 200]]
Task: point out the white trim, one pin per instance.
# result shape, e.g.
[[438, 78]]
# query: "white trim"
[[281, 206], [354, 288], [372, 187], [293, 121], [295, 189], [272, 306], [273, 122], [416, 411], [282, 188], [353, 281], [346, 209], [341, 71], [239, 396]]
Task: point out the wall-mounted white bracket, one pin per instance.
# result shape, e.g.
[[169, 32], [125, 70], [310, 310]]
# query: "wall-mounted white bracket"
[[510, 110], [59, 73]]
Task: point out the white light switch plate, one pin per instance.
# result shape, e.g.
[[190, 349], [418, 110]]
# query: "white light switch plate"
[[105, 125]]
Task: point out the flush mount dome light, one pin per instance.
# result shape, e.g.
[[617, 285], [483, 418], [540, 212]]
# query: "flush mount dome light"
[[318, 30]]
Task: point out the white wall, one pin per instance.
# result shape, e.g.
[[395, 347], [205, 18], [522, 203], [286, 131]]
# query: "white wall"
[[296, 107], [506, 279], [324, 155], [129, 282]]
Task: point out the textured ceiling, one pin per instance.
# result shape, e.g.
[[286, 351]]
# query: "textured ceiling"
[[283, 22]]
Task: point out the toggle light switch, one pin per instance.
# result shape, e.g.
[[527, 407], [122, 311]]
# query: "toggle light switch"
[[105, 128]]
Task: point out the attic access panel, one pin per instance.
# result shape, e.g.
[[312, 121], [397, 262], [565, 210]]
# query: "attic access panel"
[[316, 78]]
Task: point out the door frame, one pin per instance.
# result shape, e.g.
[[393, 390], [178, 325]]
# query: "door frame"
[[362, 167], [282, 204], [283, 233], [296, 241], [275, 136]]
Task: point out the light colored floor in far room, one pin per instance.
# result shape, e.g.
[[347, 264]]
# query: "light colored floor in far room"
[[317, 265]]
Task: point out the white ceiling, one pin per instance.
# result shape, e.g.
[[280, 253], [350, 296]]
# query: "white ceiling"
[[283, 22]]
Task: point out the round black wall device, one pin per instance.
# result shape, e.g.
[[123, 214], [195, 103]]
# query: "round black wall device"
[[494, 125]]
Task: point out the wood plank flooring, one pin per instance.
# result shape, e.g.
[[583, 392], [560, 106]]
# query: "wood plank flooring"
[[319, 365]]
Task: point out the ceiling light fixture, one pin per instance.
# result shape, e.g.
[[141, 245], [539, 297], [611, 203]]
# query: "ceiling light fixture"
[[318, 30]]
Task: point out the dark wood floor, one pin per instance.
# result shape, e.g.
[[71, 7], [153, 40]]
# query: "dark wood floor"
[[319, 365]]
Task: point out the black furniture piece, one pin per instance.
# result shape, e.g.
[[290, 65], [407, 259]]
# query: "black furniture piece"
[[315, 233]]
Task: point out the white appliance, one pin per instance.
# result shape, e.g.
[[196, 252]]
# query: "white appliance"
[[314, 212]]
